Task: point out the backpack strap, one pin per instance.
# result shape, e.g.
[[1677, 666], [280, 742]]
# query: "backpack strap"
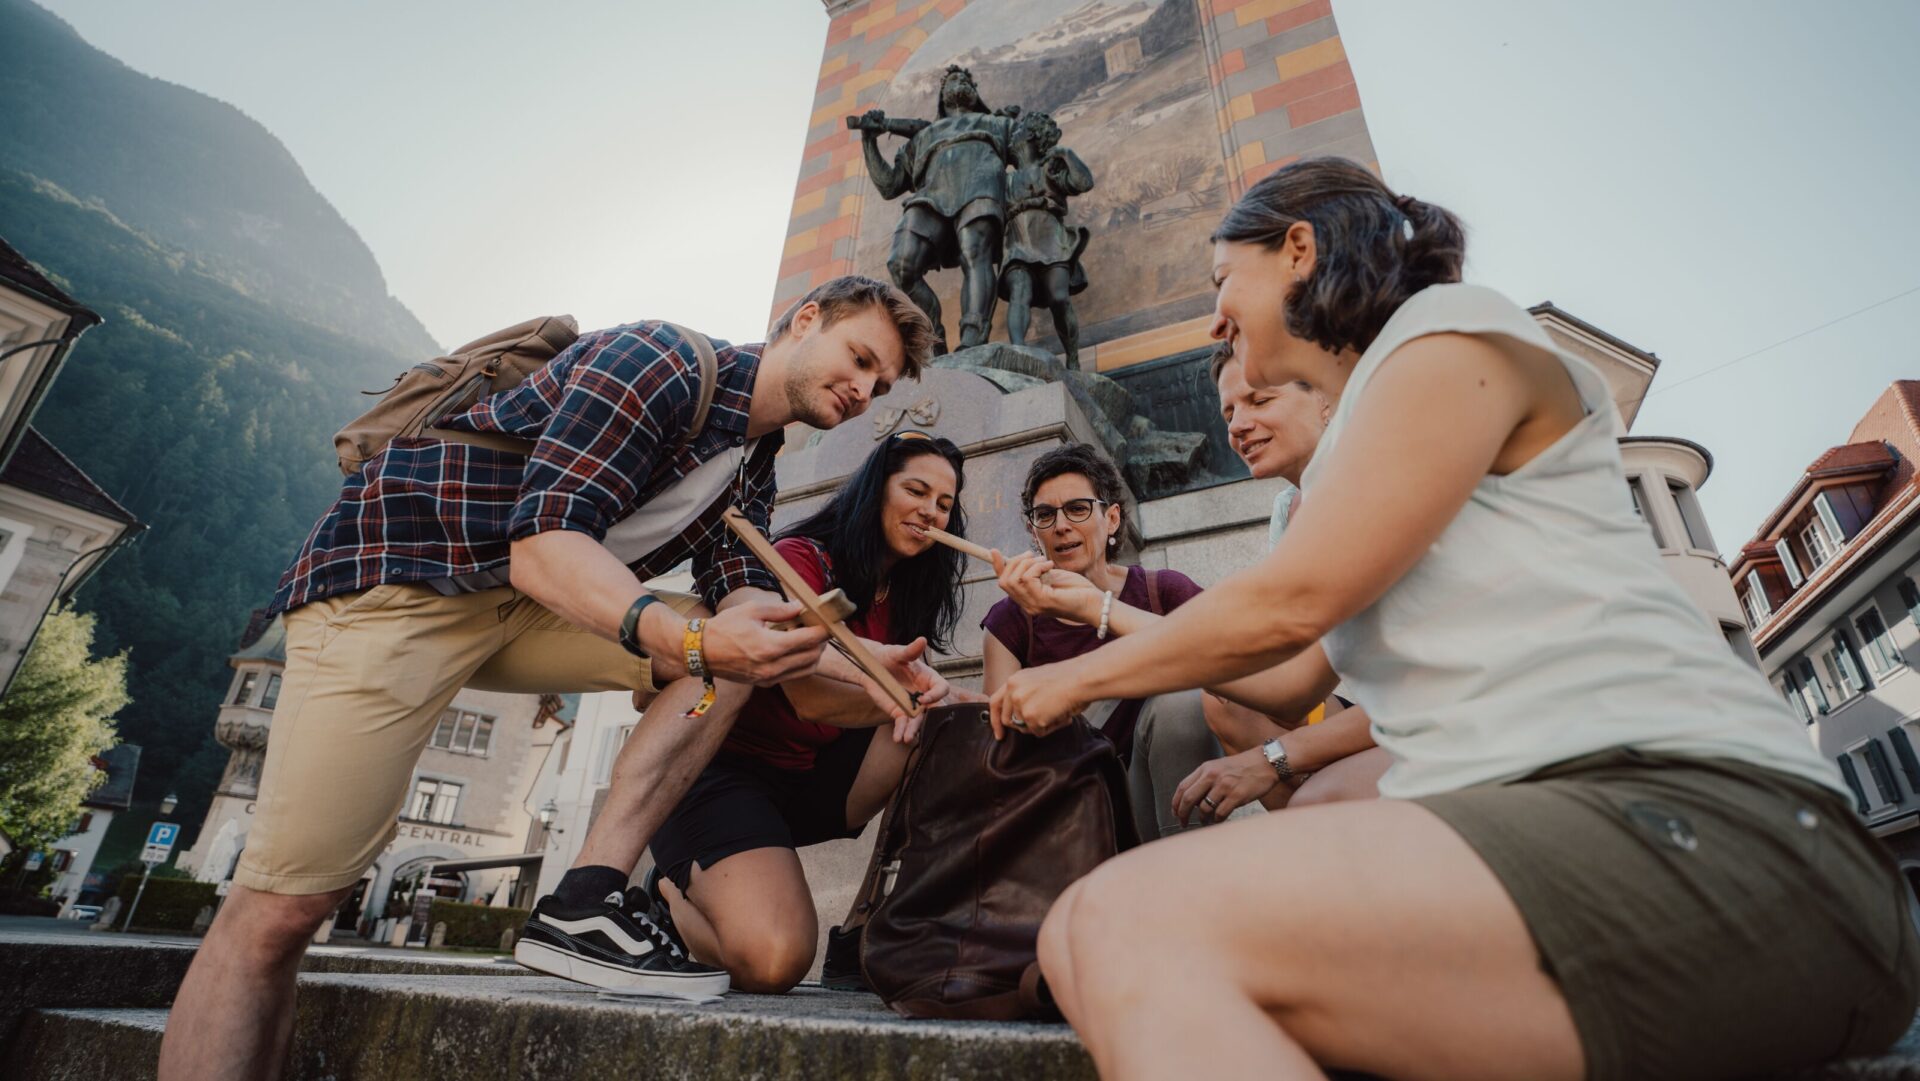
[[709, 365], [709, 379]]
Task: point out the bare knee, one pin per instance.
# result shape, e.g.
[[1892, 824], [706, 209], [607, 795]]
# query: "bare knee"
[[275, 925], [770, 962]]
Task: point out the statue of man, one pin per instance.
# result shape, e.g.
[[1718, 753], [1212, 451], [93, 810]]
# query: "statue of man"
[[1042, 263], [955, 165]]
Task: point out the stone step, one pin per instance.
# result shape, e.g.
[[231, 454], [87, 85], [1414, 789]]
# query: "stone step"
[[96, 1014], [481, 1028]]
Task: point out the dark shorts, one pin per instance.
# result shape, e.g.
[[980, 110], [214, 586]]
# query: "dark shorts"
[[1704, 918], [740, 803]]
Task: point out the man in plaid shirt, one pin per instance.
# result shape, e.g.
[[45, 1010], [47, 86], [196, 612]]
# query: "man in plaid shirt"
[[445, 564]]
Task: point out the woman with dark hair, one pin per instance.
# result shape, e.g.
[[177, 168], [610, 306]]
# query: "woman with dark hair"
[[810, 761], [1069, 597], [1605, 848]]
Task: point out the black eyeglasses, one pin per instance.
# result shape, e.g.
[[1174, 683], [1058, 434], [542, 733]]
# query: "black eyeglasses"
[[1041, 516]]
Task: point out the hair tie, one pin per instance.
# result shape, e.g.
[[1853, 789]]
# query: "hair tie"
[[1404, 204]]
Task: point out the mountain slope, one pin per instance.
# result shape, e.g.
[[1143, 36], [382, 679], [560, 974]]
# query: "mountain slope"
[[192, 172]]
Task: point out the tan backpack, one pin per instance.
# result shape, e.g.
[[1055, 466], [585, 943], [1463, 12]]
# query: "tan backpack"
[[426, 393]]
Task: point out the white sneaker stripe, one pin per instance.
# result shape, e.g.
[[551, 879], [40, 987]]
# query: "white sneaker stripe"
[[603, 925]]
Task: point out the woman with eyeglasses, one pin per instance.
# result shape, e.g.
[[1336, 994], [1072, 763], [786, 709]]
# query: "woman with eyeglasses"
[[1068, 598], [813, 759]]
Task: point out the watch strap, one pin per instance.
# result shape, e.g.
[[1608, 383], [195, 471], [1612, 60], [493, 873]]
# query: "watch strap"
[[630, 624]]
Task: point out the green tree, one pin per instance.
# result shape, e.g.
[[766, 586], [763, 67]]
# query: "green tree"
[[55, 719]]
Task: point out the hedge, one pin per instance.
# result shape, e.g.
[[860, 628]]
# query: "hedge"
[[476, 925], [170, 904]]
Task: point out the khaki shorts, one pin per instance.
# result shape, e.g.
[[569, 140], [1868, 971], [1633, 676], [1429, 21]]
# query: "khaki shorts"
[[368, 675], [1704, 918]]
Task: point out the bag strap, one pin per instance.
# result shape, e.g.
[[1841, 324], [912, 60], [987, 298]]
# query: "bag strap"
[[1153, 591], [709, 376]]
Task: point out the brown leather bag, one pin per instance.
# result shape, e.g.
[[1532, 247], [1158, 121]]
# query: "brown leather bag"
[[433, 390], [979, 841]]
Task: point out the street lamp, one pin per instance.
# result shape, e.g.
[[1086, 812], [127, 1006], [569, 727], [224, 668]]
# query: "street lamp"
[[548, 812], [167, 805]]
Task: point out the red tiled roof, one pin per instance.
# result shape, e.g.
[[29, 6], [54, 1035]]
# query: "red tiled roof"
[[1851, 457]]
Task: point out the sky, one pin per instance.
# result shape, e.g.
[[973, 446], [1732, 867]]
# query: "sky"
[[1705, 180]]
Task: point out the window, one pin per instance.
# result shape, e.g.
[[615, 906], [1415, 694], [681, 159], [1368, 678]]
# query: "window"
[[63, 859], [434, 801], [1790, 690], [1816, 694], [83, 823], [1819, 548], [1640, 507], [1910, 597], [1690, 516], [1881, 656], [610, 745], [1736, 637], [1843, 661], [463, 732], [1902, 741], [1870, 763], [1788, 563], [244, 695], [271, 696]]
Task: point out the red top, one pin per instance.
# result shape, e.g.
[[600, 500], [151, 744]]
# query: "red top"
[[769, 729]]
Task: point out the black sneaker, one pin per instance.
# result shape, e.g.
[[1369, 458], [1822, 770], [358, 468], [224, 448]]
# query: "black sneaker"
[[840, 969], [615, 946], [658, 910]]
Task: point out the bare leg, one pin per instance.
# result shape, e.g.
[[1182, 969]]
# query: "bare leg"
[[1019, 303], [659, 763], [1065, 322], [751, 914], [979, 291], [1393, 925], [233, 1017], [908, 264]]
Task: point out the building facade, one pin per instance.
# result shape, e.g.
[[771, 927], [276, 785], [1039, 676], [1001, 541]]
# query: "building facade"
[[57, 526], [1830, 585], [466, 802], [75, 880]]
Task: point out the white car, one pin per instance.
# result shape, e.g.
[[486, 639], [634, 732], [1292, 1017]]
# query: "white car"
[[83, 912]]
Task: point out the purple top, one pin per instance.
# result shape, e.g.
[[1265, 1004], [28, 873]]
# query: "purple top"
[[1055, 640]]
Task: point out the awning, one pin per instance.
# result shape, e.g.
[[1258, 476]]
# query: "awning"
[[487, 863]]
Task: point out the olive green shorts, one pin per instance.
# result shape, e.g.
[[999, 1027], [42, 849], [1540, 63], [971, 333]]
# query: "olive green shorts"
[[1703, 917]]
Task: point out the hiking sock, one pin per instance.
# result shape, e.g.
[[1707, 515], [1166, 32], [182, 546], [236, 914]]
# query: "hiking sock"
[[583, 887]]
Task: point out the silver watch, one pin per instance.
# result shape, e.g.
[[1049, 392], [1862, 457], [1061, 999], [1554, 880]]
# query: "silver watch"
[[1276, 753]]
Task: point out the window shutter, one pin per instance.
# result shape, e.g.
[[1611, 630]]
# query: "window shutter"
[[1882, 771], [1903, 750], [1853, 781], [1787, 561], [1795, 699], [1811, 681], [1910, 597], [1825, 510]]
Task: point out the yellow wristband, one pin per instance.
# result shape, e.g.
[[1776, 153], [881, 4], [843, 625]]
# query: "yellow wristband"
[[693, 642]]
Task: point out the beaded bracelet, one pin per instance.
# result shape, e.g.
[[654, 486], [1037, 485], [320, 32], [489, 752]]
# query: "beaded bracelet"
[[1106, 610]]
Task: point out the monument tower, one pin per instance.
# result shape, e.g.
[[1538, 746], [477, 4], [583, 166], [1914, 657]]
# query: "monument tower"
[[1174, 106]]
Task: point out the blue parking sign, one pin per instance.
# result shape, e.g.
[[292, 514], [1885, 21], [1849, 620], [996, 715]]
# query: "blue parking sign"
[[162, 834]]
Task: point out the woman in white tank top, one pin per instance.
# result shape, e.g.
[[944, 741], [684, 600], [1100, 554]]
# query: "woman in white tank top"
[[1608, 850]]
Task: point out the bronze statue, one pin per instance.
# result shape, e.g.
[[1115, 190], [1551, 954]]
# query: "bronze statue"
[[1042, 262], [955, 165]]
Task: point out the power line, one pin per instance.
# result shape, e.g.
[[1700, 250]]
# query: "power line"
[[1775, 345]]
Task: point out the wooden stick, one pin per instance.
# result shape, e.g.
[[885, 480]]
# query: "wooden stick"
[[798, 590], [960, 544]]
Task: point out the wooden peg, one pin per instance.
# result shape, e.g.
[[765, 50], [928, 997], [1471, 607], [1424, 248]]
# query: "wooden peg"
[[797, 590]]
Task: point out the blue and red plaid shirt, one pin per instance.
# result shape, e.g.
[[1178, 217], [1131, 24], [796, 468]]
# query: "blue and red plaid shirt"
[[607, 413]]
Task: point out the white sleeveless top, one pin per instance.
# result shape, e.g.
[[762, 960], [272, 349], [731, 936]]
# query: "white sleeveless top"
[[1541, 626]]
